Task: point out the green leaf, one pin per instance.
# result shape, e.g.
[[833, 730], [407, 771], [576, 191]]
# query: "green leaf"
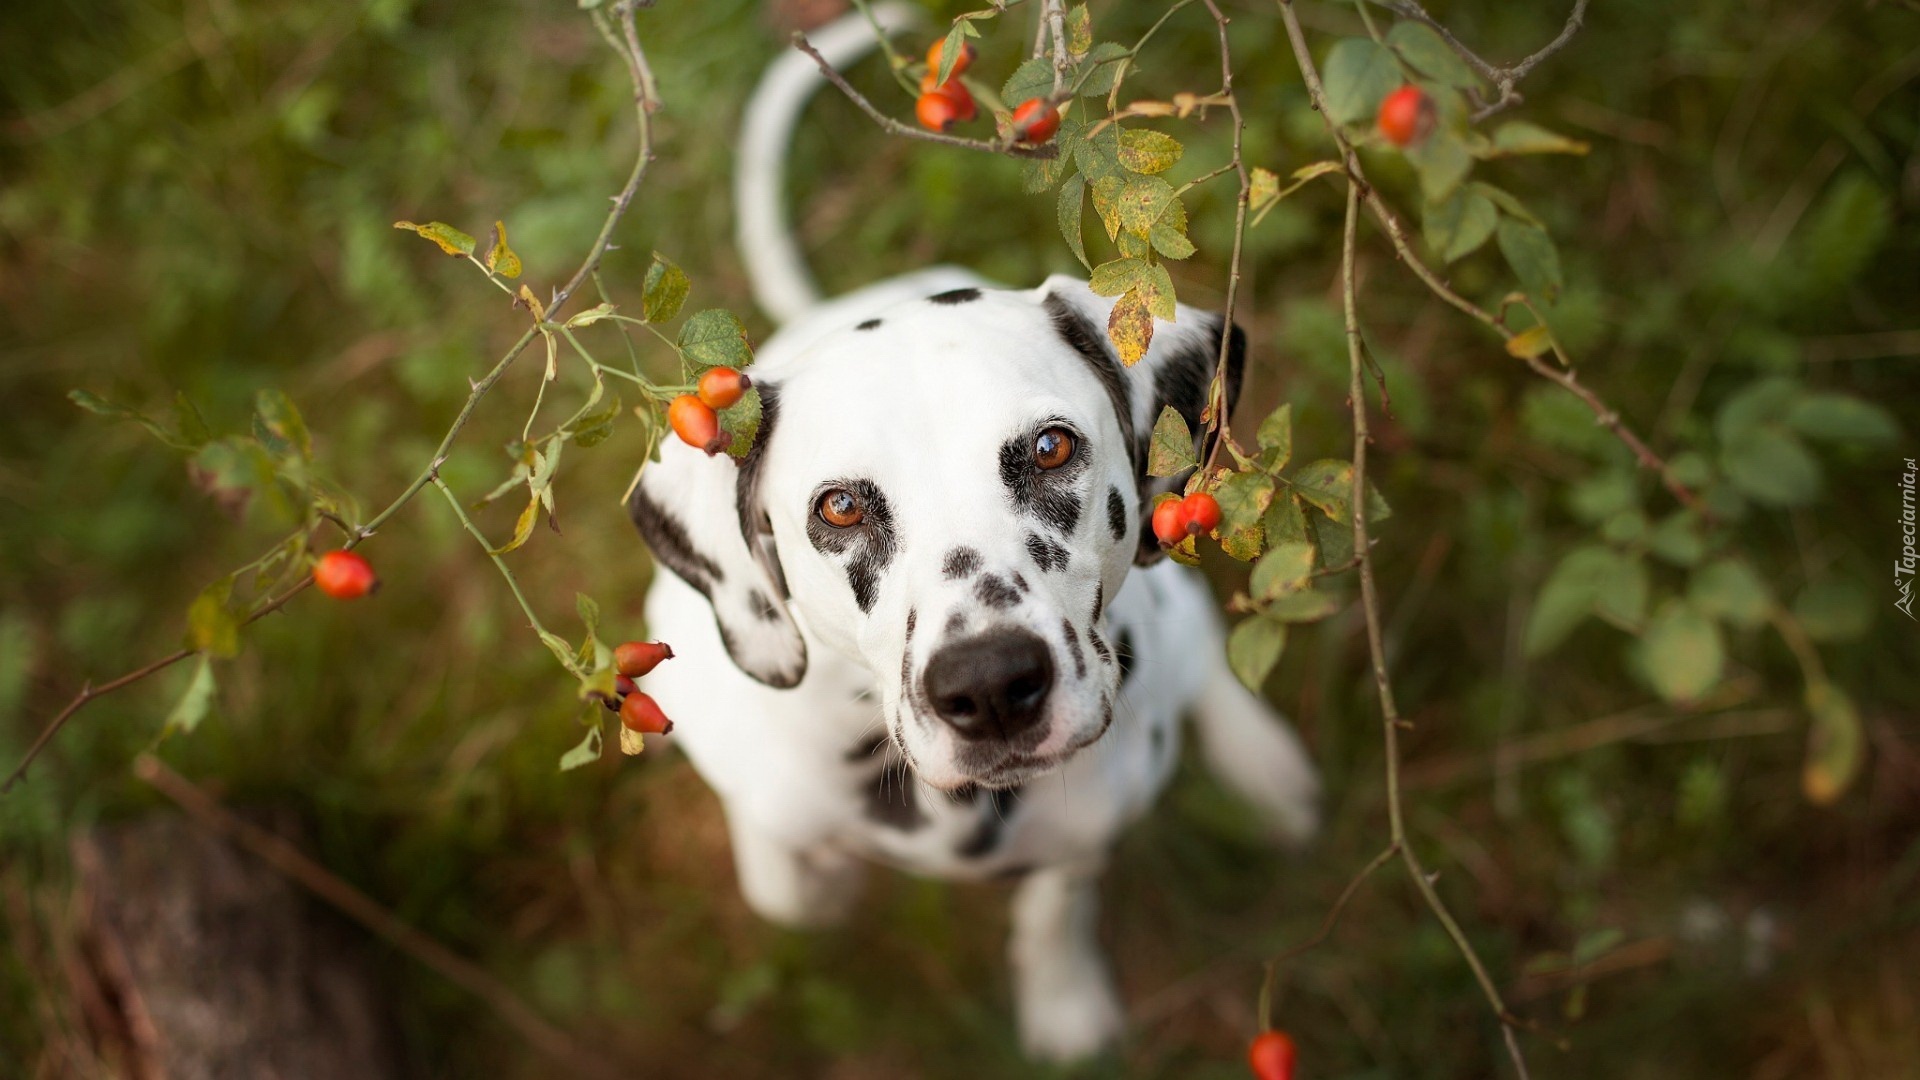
[[1285, 521], [1678, 539], [283, 422], [665, 290], [1756, 406], [1148, 152], [742, 421], [1032, 79], [1456, 227], [715, 338], [1130, 327], [100, 406], [1834, 610], [1156, 288], [1170, 452], [1731, 590], [1770, 466], [1357, 74], [1283, 569], [1508, 205], [1073, 200], [1681, 653], [1835, 746], [1105, 62], [1170, 241], [1079, 31], [586, 753], [592, 429], [1116, 276], [1622, 595], [1098, 155], [1530, 251], [195, 702], [1419, 45], [1276, 439], [212, 627], [1254, 647], [1522, 137], [1568, 597], [1842, 419], [589, 611], [1442, 161], [952, 49], [500, 258], [451, 240], [1309, 605], [522, 526], [1327, 484], [594, 314], [1244, 498]]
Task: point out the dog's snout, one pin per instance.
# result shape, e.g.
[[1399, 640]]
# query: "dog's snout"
[[993, 685]]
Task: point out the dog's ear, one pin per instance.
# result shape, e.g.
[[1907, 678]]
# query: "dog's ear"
[[1177, 370], [704, 520]]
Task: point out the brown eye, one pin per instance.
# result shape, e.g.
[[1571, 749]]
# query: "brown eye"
[[841, 509], [1053, 448]]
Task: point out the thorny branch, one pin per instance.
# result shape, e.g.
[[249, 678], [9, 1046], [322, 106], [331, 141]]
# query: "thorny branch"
[[1217, 390], [1503, 78], [627, 43]]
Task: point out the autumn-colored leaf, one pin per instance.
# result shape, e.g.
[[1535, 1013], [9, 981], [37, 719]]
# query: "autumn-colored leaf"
[[451, 240], [1130, 327]]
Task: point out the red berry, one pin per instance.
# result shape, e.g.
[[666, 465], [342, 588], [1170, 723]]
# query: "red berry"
[[696, 425], [344, 575], [624, 686], [633, 659], [1035, 121], [1271, 1056], [1203, 512], [1407, 116], [1170, 522], [960, 65], [945, 105], [722, 386], [642, 714]]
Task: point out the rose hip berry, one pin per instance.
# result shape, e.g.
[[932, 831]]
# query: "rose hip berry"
[[344, 575], [1202, 511], [1035, 121], [722, 386], [943, 106], [632, 659], [960, 65], [1271, 1056], [1170, 522], [1407, 116], [641, 713], [693, 420]]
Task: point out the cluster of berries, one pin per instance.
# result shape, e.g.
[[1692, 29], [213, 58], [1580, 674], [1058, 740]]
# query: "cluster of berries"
[[638, 711], [944, 104], [693, 416], [1175, 519]]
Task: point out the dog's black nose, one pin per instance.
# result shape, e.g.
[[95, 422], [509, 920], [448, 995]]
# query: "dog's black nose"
[[994, 685]]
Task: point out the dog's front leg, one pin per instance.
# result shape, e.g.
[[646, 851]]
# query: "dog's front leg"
[[798, 886], [1066, 999]]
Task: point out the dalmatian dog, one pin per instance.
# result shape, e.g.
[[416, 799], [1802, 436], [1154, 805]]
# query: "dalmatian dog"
[[922, 622]]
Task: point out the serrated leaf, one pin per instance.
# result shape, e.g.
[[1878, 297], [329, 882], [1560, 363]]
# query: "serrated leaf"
[[952, 49], [522, 526], [1116, 276], [1104, 62], [1283, 569], [1079, 31], [1106, 203], [1732, 590], [742, 421], [1429, 54], [665, 290], [1171, 242], [1148, 152], [715, 338], [195, 702], [1285, 520], [1456, 226], [1098, 154], [1357, 74], [1073, 200], [586, 753], [1530, 342], [1130, 327], [451, 240], [1524, 137], [1254, 648], [1327, 484], [1276, 438], [592, 429], [1681, 653], [1170, 452], [1530, 251], [1032, 79], [1244, 498], [1156, 288], [1243, 544], [1142, 202], [212, 627], [500, 258], [1835, 746]]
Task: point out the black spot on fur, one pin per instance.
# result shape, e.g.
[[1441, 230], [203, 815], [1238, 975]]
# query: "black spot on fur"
[[996, 593], [1020, 583], [1045, 493], [1091, 344], [763, 608], [913, 616], [956, 622], [868, 325], [668, 538], [1116, 513], [1123, 652], [868, 547], [994, 811], [1099, 601], [1047, 554], [906, 651], [955, 296], [961, 562], [891, 800], [1106, 716], [1073, 646], [1099, 645]]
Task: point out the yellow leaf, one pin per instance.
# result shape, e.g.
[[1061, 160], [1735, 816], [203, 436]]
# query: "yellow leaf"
[[500, 258], [522, 528], [1130, 327], [533, 302], [1530, 343], [451, 240]]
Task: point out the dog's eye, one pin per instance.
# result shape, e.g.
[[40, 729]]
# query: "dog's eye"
[[1053, 448], [841, 509]]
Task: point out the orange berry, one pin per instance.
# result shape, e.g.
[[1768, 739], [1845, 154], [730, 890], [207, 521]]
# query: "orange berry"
[[1202, 511], [1170, 522], [344, 575], [1271, 1056], [967, 53], [633, 659], [935, 111], [696, 425], [642, 714], [1407, 116], [1035, 121], [722, 386]]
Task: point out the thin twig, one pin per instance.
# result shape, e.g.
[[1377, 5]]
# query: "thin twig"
[[1503, 78], [1217, 390], [1056, 19], [895, 127], [1339, 906], [207, 812]]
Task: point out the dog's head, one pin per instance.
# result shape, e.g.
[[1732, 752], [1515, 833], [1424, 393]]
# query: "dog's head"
[[949, 492]]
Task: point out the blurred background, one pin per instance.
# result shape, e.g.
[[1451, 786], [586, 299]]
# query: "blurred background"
[[196, 196]]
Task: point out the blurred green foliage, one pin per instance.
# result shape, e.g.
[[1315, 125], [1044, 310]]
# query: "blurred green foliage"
[[196, 197]]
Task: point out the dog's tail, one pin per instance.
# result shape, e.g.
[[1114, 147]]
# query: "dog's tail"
[[1255, 752], [782, 284]]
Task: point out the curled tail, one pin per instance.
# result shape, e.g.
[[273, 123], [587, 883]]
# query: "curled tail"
[[782, 284]]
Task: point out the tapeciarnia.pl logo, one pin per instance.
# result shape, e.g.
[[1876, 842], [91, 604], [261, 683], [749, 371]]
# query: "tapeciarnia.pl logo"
[[1905, 565]]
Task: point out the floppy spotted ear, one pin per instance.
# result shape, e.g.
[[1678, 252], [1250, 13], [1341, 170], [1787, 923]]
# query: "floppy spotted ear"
[[1177, 370], [704, 520]]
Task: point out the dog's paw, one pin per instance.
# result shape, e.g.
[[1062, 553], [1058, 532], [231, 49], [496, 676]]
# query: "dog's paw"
[[1070, 1019]]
